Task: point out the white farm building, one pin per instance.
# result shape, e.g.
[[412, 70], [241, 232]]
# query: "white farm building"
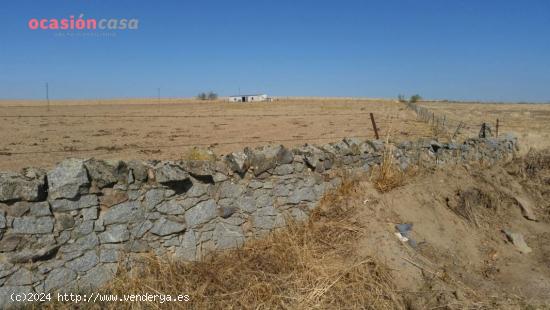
[[249, 98]]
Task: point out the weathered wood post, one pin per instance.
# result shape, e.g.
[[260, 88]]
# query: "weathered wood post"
[[457, 131], [374, 126]]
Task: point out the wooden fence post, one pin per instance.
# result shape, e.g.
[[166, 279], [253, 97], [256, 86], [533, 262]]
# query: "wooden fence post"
[[457, 131], [497, 127], [374, 126]]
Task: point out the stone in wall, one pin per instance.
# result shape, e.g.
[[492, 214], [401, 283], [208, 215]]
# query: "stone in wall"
[[20, 187], [68, 180]]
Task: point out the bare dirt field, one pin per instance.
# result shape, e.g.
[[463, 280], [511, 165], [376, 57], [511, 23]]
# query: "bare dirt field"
[[32, 135], [531, 122]]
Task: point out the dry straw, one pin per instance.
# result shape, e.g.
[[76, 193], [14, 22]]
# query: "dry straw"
[[312, 265], [388, 174]]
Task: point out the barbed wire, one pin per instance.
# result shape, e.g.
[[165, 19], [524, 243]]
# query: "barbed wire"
[[455, 126], [182, 116]]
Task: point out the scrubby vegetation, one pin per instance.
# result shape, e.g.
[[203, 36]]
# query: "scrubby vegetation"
[[199, 154], [415, 98], [313, 265], [207, 96]]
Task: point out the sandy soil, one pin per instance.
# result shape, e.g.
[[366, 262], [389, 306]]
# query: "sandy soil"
[[463, 257], [32, 135], [531, 122]]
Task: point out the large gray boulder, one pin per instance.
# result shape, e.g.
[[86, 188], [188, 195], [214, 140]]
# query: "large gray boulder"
[[83, 202], [228, 236], [9, 242], [33, 225], [153, 197], [7, 291], [187, 248], [264, 158], [68, 180], [200, 168], [84, 262], [230, 190], [198, 189], [22, 277], [202, 213], [164, 227], [106, 173], [344, 149], [169, 173], [376, 145], [33, 255], [237, 162], [357, 145], [40, 209], [267, 218], [16, 187], [171, 207], [2, 219], [18, 209], [126, 212], [97, 276], [205, 170], [87, 242], [246, 204], [59, 278], [302, 194], [138, 170], [315, 157], [139, 229], [115, 234]]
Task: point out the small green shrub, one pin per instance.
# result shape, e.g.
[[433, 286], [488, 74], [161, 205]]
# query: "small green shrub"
[[415, 98]]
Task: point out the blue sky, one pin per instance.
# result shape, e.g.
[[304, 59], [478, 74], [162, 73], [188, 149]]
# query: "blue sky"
[[468, 50]]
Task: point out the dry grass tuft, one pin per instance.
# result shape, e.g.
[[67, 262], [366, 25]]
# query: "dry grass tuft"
[[536, 162], [476, 205], [313, 265], [199, 154], [387, 175]]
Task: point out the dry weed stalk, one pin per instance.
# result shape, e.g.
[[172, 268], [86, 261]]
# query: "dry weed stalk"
[[387, 175]]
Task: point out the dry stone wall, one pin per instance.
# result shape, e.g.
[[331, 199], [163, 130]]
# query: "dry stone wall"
[[70, 228]]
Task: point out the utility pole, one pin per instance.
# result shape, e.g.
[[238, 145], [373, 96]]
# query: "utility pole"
[[48, 96], [158, 95]]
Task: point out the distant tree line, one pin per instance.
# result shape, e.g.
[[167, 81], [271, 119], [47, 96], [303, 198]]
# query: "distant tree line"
[[413, 98], [207, 96]]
